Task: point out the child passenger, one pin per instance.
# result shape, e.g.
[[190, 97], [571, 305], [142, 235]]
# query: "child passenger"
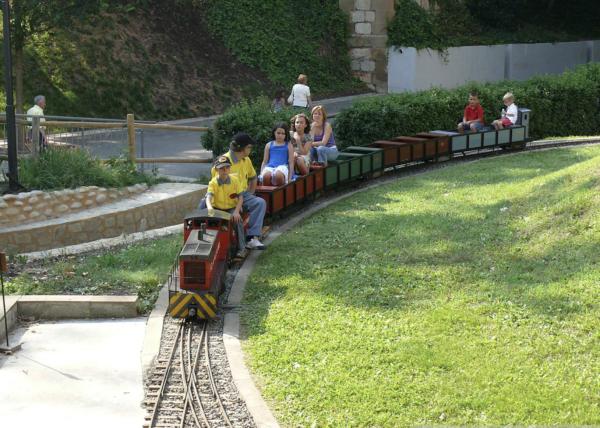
[[509, 114], [301, 138], [472, 116], [278, 160], [225, 193]]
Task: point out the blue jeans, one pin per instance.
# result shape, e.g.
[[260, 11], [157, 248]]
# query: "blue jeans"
[[256, 207], [253, 205], [478, 126], [323, 153]]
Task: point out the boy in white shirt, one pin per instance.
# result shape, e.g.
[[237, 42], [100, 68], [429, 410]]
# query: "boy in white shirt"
[[509, 115], [300, 96]]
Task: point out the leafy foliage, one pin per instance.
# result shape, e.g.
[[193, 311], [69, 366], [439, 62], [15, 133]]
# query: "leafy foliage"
[[71, 168], [252, 117], [473, 22], [561, 105], [287, 37]]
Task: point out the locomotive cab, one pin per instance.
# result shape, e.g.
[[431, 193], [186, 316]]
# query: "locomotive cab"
[[198, 275]]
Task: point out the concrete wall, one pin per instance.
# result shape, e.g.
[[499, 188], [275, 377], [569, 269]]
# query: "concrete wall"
[[410, 69]]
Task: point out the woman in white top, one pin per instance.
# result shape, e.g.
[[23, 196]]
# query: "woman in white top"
[[300, 96]]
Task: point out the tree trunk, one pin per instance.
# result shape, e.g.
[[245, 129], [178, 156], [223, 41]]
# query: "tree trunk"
[[19, 96]]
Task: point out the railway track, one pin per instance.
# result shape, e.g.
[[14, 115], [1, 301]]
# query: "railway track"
[[187, 387]]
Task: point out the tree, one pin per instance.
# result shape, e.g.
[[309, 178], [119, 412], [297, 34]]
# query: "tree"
[[30, 17]]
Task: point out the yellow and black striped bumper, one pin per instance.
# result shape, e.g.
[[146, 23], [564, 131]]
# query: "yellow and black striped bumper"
[[180, 304]]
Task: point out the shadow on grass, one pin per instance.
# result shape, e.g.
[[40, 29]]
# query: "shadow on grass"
[[397, 264]]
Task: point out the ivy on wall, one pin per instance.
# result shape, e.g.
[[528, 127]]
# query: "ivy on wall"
[[486, 22], [284, 38]]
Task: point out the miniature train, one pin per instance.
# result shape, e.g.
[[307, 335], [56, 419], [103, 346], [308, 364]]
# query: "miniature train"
[[197, 278]]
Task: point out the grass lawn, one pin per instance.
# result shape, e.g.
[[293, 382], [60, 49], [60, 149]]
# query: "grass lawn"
[[138, 269], [468, 295]]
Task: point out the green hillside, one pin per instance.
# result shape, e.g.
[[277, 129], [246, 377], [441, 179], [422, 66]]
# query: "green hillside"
[[161, 60]]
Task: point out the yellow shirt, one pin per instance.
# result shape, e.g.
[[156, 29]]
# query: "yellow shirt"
[[240, 168], [224, 195]]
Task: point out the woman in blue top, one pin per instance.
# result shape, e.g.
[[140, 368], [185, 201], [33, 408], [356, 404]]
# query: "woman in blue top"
[[323, 145], [278, 159]]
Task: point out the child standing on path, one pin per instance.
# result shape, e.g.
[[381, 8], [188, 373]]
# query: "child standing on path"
[[472, 116], [509, 114], [278, 160], [225, 193]]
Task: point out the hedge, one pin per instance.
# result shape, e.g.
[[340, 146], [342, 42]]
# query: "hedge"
[[567, 104]]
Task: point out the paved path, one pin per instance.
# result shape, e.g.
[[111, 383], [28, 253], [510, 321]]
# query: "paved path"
[[74, 374]]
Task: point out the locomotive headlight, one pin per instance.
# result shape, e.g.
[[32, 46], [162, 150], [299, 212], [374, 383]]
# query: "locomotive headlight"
[[192, 312]]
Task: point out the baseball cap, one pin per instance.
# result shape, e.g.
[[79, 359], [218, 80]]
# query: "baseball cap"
[[241, 140], [221, 162]]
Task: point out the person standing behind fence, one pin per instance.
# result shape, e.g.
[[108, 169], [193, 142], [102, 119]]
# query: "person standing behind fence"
[[39, 104], [300, 96]]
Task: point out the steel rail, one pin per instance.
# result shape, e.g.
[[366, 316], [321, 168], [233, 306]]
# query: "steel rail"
[[187, 381], [163, 383], [213, 385]]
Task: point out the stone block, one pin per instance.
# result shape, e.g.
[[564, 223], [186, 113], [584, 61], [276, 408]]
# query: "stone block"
[[76, 205], [362, 28], [370, 16], [18, 203], [43, 238], [364, 76], [110, 222], [34, 214], [74, 228], [10, 198], [62, 208], [33, 199], [12, 211], [23, 238], [362, 4], [355, 65], [358, 16], [2, 203], [360, 53], [27, 208], [48, 212], [100, 199], [367, 65]]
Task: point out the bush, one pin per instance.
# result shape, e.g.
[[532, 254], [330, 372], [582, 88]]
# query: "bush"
[[71, 168], [561, 105], [252, 117]]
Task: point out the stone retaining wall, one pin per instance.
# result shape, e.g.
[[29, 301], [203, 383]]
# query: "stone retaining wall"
[[38, 206], [163, 205]]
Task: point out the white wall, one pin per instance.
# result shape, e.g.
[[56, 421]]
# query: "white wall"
[[410, 69]]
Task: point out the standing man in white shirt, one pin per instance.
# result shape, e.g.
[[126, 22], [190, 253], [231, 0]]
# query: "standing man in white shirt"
[[300, 96], [39, 104]]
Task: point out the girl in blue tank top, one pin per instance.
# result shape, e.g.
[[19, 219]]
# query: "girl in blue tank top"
[[278, 159]]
